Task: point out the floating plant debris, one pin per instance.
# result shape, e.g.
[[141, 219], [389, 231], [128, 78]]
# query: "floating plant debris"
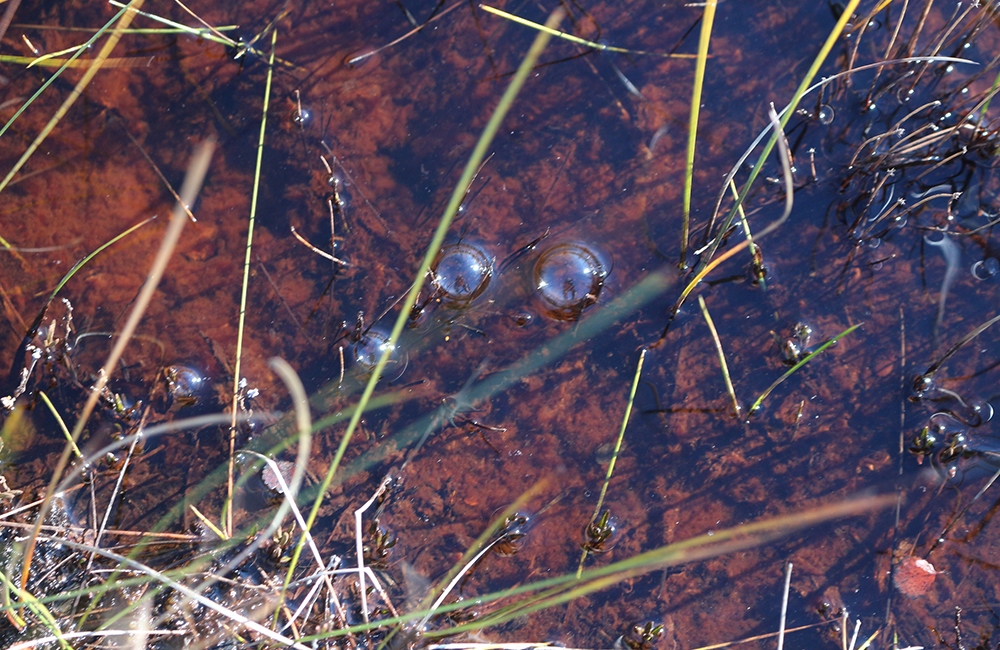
[[270, 479], [914, 576]]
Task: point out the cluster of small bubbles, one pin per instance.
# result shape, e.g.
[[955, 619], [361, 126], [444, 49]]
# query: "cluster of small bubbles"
[[184, 385], [568, 278], [460, 274], [826, 115], [985, 269], [370, 348]]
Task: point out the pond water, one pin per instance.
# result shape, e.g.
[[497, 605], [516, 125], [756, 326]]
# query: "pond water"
[[559, 269]]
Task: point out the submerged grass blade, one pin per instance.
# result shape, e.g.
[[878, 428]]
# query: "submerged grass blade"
[[722, 356], [798, 365], [228, 514], [614, 455], [478, 154], [934, 367], [547, 29], [699, 79]]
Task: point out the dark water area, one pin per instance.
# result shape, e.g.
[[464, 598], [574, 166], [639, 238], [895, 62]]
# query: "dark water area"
[[514, 386]]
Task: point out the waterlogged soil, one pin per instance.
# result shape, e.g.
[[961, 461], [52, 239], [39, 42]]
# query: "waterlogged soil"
[[506, 397]]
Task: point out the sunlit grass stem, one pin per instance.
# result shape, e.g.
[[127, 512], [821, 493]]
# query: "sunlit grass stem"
[[614, 454], [228, 508], [699, 79], [722, 356]]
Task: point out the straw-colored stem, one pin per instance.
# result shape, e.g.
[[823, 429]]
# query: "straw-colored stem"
[[722, 356]]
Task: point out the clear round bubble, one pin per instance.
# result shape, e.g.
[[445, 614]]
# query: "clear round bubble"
[[184, 385], [568, 279], [369, 350], [460, 274], [986, 269], [826, 115]]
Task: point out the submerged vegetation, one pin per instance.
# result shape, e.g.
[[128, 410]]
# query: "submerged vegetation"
[[297, 360]]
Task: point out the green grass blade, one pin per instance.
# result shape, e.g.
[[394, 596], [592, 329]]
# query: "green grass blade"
[[40, 610], [79, 265], [62, 425], [707, 19], [566, 587], [614, 455], [126, 19], [801, 363], [228, 514]]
